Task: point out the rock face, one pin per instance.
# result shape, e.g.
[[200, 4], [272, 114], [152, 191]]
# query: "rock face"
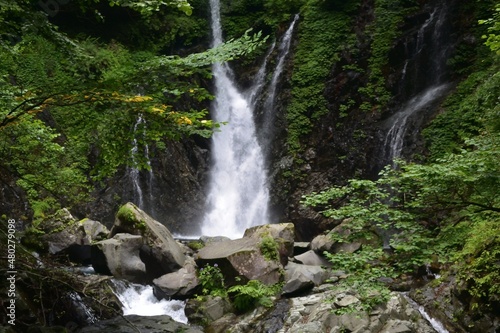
[[176, 197]]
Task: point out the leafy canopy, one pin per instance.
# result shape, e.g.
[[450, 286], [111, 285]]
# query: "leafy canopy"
[[69, 105]]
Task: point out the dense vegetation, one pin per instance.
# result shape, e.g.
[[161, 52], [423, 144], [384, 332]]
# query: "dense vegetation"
[[70, 100], [70, 95], [444, 212]]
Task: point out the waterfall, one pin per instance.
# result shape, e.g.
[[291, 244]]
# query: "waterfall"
[[395, 137], [134, 174], [427, 54], [238, 194], [134, 171], [268, 107], [139, 300], [436, 324]]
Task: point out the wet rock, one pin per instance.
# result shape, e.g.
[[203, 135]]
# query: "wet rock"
[[134, 324]]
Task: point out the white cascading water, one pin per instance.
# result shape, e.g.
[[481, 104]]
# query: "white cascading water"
[[134, 171], [139, 300], [284, 49], [394, 139], [400, 121], [436, 324], [238, 195]]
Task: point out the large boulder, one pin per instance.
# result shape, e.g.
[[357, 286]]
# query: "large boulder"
[[179, 285], [120, 257], [325, 242], [67, 236], [160, 251], [282, 233], [242, 258], [299, 278]]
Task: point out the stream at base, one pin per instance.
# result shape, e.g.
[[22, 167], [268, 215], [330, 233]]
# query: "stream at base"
[[139, 300], [436, 324]]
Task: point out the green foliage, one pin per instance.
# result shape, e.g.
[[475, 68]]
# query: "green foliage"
[[493, 36], [68, 106], [480, 254], [244, 296], [212, 281], [145, 7], [467, 110], [195, 245], [254, 293], [389, 16], [324, 33], [269, 248]]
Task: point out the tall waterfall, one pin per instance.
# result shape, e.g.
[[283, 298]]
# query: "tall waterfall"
[[238, 194], [423, 76]]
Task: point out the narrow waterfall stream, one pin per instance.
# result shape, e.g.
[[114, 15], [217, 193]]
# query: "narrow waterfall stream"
[[135, 175], [436, 324], [423, 75], [394, 139], [238, 194]]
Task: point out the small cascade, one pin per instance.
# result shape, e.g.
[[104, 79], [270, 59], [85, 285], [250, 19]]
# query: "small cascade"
[[139, 300], [395, 137], [436, 324], [254, 92], [269, 102], [137, 178], [422, 78], [133, 172]]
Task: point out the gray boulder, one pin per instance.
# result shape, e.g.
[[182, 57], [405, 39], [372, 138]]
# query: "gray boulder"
[[240, 258], [299, 278], [120, 257], [64, 234], [282, 233], [178, 285], [160, 251], [313, 259]]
